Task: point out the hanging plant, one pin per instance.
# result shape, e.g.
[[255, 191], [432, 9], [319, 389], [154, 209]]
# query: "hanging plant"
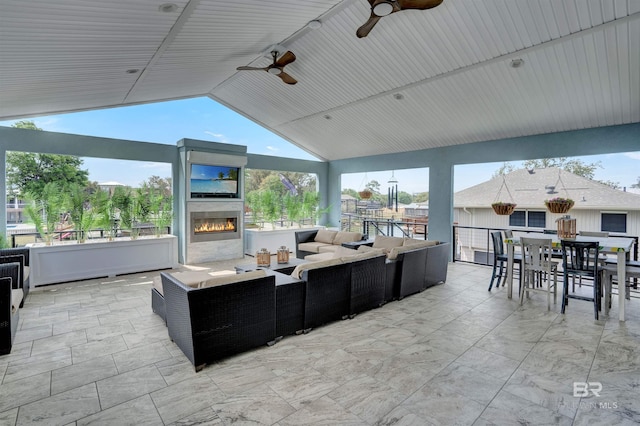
[[559, 204], [504, 209], [365, 194], [500, 207]]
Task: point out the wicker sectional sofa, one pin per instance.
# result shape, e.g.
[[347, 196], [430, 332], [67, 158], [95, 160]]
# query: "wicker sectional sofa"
[[211, 318], [316, 241]]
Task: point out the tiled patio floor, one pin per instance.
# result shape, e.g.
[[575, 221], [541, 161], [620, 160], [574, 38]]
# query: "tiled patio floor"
[[93, 352]]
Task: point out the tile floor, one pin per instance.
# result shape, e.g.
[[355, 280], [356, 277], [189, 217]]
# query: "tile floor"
[[92, 352]]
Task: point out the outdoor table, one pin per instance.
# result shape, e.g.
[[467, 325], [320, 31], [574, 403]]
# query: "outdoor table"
[[615, 245]]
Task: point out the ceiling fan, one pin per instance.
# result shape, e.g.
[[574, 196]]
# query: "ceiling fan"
[[277, 67], [382, 8]]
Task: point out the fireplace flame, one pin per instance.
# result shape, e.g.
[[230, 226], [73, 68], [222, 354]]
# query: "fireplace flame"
[[215, 227]]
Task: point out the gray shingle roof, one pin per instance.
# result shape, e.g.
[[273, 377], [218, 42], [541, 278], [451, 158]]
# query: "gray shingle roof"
[[529, 189]]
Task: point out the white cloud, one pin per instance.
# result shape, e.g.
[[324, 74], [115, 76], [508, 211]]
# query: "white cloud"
[[633, 155], [215, 135], [149, 165], [272, 148]]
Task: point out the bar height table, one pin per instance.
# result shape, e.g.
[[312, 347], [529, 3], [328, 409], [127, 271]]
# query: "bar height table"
[[616, 245]]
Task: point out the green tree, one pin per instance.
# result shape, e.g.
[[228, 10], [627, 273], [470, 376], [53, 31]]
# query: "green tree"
[[29, 172], [404, 197], [637, 184], [162, 185], [421, 197], [350, 191], [505, 169], [573, 165]]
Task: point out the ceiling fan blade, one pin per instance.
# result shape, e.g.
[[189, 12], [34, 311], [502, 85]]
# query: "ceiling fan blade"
[[285, 59], [418, 4], [287, 78], [252, 69], [363, 31]]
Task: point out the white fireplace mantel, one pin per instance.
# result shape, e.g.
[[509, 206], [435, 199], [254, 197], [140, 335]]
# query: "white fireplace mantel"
[[71, 261]]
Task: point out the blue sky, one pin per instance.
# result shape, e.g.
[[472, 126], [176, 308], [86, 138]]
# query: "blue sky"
[[204, 119]]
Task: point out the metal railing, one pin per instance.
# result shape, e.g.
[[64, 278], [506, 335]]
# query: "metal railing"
[[370, 227]]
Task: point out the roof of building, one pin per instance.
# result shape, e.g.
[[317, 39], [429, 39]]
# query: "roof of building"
[[530, 188]]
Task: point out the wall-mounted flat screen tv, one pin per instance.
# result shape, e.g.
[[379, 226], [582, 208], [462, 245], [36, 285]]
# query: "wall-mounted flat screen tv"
[[209, 181]]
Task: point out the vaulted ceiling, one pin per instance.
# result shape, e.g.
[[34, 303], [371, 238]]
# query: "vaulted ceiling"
[[420, 79]]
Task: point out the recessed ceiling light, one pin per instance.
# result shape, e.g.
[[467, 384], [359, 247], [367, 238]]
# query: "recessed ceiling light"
[[168, 7], [132, 71], [516, 63], [314, 25], [398, 96]]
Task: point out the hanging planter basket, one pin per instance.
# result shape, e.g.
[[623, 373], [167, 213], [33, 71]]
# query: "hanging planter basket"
[[559, 205], [365, 194], [500, 207], [503, 209]]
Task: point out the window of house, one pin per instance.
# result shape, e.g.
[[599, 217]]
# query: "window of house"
[[530, 219], [614, 222], [537, 219], [517, 218]]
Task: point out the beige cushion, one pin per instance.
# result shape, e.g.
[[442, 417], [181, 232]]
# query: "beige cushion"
[[297, 272], [362, 255], [387, 243], [235, 278], [419, 243], [192, 278], [346, 237], [364, 248], [394, 252], [318, 257], [26, 273], [325, 236], [329, 248], [16, 299], [312, 247], [343, 252]]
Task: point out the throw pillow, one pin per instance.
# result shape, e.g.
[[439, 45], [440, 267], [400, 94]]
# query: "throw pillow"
[[384, 242], [346, 237], [325, 236]]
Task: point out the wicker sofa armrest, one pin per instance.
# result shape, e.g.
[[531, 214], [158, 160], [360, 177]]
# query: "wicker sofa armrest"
[[437, 264], [304, 237]]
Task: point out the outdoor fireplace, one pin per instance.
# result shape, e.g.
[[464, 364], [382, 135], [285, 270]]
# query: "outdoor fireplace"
[[214, 226]]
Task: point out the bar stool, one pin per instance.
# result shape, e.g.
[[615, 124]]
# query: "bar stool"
[[579, 259], [537, 267], [500, 259]]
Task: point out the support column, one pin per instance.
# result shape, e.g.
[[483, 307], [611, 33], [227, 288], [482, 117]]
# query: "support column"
[[440, 201]]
